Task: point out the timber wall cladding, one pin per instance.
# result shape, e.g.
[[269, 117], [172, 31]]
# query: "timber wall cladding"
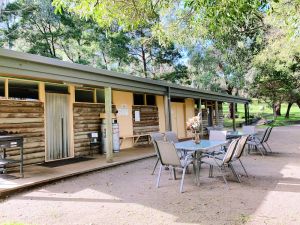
[[86, 120], [27, 119], [204, 119], [149, 121]]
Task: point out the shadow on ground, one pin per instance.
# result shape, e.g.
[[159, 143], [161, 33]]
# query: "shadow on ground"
[[127, 194]]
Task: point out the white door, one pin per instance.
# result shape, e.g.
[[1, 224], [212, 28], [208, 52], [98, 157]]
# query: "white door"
[[57, 126]]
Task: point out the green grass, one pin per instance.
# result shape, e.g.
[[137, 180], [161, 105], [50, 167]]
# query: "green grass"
[[259, 109]]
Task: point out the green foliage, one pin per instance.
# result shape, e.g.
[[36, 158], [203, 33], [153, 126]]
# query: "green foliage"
[[277, 66], [263, 110], [130, 15], [179, 76], [32, 26]]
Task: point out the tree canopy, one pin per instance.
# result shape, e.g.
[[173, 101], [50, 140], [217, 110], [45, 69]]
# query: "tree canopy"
[[246, 47]]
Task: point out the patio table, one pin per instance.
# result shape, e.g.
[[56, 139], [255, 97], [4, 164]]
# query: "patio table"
[[203, 147], [237, 134]]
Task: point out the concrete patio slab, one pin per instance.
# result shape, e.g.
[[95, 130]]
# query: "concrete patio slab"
[[36, 175]]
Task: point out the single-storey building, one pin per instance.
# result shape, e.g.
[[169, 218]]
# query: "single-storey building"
[[56, 104]]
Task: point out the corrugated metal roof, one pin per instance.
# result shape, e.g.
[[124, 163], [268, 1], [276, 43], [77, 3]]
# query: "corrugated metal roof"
[[36, 67]]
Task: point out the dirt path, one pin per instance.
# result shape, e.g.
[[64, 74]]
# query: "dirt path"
[[127, 194]]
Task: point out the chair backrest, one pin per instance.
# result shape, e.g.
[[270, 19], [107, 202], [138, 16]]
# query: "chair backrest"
[[268, 134], [209, 129], [266, 131], [171, 137], [156, 136], [217, 135], [168, 153], [230, 151], [219, 127], [240, 147], [248, 129]]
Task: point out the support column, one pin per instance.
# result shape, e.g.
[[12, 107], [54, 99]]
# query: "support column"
[[233, 117], [6, 88], [166, 107], [217, 112], [71, 89], [95, 95], [108, 117], [169, 109], [246, 114], [42, 94]]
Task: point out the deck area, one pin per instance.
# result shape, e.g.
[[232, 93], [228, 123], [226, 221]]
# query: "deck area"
[[35, 175]]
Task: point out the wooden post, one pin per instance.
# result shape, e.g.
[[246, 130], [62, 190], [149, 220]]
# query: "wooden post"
[[145, 99], [108, 117], [71, 90], [169, 109], [42, 94], [246, 114], [217, 112], [233, 117], [95, 95], [166, 106], [6, 88]]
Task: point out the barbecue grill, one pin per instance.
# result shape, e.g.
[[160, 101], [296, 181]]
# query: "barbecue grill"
[[10, 140]]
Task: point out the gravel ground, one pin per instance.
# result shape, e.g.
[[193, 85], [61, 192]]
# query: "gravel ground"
[[127, 194]]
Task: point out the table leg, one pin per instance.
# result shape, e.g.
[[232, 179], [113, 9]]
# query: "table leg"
[[198, 163]]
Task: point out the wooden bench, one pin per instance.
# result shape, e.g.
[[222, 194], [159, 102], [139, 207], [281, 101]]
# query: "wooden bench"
[[135, 138]]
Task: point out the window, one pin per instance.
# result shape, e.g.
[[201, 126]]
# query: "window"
[[177, 99], [84, 95], [2, 88], [56, 88], [22, 90], [138, 99], [100, 96], [150, 99]]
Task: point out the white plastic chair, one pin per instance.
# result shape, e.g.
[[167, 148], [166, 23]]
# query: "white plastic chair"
[[171, 137], [217, 135], [168, 157], [249, 130]]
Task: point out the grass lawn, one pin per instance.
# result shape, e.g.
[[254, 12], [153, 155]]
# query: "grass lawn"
[[260, 109]]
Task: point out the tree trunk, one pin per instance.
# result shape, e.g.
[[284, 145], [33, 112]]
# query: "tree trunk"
[[144, 62], [278, 109], [231, 110], [287, 115]]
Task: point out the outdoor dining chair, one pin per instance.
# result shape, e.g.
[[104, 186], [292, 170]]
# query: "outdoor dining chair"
[[248, 129], [267, 138], [171, 136], [218, 135], [239, 151], [225, 161], [258, 142], [156, 136], [168, 157]]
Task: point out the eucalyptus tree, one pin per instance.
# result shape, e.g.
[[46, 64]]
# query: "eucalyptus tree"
[[277, 66]]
